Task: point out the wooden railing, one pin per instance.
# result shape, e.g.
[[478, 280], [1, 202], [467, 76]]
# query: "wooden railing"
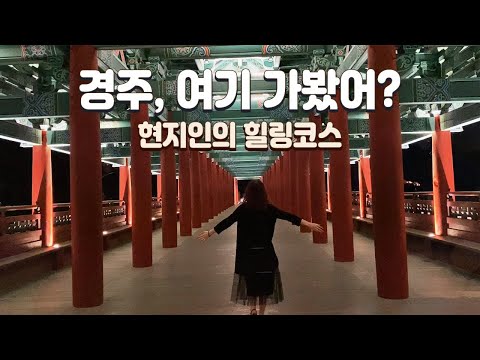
[[463, 212], [463, 215], [20, 227]]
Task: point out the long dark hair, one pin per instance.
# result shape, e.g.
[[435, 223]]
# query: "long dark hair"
[[255, 195]]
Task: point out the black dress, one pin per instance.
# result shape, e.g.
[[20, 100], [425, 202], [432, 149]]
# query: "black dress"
[[256, 264]]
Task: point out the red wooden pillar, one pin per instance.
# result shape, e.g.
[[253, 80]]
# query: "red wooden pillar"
[[235, 189], [364, 184], [42, 190], [271, 182], [341, 190], [274, 182], [387, 183], [125, 190], [284, 182], [304, 188], [159, 186], [443, 175], [85, 187], [227, 180], [226, 190], [141, 193], [203, 187], [317, 188], [185, 193], [280, 182], [196, 197], [210, 190], [169, 194], [293, 180], [217, 194], [329, 193], [285, 187], [230, 200]]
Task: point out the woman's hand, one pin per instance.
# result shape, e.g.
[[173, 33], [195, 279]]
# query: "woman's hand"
[[315, 227], [311, 226], [203, 235]]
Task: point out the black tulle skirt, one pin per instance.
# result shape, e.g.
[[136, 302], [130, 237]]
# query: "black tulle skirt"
[[266, 283]]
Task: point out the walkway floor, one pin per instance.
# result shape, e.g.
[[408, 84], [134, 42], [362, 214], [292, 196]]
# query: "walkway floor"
[[196, 278]]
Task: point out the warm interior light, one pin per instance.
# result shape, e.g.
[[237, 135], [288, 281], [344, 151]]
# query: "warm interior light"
[[431, 235], [153, 218], [105, 232], [56, 246]]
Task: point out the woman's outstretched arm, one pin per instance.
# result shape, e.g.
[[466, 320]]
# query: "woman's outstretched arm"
[[222, 225], [312, 226], [296, 220]]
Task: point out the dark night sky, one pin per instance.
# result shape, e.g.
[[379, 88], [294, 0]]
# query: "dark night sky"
[[16, 169]]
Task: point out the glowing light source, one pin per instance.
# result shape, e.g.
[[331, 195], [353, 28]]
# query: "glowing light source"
[[105, 232], [431, 235], [153, 219], [456, 129], [56, 246]]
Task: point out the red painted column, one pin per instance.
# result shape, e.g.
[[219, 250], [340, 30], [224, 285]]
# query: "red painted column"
[[195, 185], [42, 190], [317, 188], [228, 188], [364, 184], [289, 181], [387, 183], [85, 187], [217, 195], [269, 181], [210, 187], [218, 191], [203, 187], [125, 190], [159, 186], [341, 190], [227, 191], [285, 187], [177, 181], [284, 182], [169, 194], [329, 193], [293, 181], [271, 178], [443, 175], [141, 193], [235, 189], [280, 183], [185, 193], [304, 188]]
